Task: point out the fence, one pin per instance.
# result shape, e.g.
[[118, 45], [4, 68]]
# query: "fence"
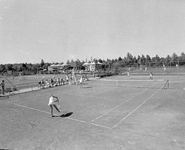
[[158, 70]]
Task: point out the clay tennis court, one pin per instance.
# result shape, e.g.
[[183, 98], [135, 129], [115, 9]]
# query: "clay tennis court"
[[113, 113]]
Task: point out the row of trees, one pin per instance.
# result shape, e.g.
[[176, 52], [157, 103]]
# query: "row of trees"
[[25, 68], [132, 61], [128, 61]]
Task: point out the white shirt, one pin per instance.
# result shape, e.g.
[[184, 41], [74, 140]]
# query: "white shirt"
[[51, 100], [81, 80]]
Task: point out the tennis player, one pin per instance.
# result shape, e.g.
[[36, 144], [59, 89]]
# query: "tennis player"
[[128, 73], [151, 76], [81, 81], [53, 101], [166, 85], [67, 79]]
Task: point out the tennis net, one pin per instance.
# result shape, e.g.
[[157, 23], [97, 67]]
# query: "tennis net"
[[155, 84], [177, 85]]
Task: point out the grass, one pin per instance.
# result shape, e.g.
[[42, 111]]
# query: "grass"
[[102, 117]]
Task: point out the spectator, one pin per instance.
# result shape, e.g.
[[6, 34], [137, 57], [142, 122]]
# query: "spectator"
[[3, 87], [61, 81], [47, 83]]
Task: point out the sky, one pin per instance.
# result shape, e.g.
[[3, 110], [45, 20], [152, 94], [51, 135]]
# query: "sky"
[[61, 30]]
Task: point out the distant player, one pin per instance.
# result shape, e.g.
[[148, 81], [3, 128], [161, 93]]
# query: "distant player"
[[67, 79], [166, 85], [151, 76], [128, 74], [85, 77], [164, 67], [81, 81], [74, 78], [53, 102]]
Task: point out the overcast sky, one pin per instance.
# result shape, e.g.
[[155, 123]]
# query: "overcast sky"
[[61, 30]]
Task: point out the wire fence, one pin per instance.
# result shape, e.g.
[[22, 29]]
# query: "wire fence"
[[158, 70], [30, 83]]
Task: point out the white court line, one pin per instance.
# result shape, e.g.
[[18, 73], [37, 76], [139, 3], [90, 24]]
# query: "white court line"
[[65, 117], [122, 103], [139, 106]]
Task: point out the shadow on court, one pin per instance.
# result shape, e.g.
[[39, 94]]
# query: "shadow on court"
[[64, 115]]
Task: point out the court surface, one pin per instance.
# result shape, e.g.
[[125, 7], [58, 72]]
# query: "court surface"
[[113, 113]]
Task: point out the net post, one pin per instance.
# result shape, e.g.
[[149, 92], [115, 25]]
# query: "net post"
[[166, 85]]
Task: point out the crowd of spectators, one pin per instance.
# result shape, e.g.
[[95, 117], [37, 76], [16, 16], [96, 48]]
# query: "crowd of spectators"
[[53, 82]]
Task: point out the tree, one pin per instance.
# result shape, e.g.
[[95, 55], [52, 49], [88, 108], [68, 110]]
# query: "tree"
[[9, 67], [119, 59], [129, 58], [15, 67], [183, 55], [72, 61], [134, 59], [2, 68], [135, 63], [19, 67], [148, 60], [143, 59], [174, 59], [156, 61], [36, 68], [67, 62], [139, 60], [100, 60], [109, 62], [167, 60], [46, 65], [78, 60], [42, 63], [123, 63], [182, 59]]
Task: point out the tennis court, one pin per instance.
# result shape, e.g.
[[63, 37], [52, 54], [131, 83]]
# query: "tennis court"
[[113, 113]]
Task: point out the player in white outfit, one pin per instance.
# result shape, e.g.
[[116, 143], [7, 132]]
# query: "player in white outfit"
[[53, 102], [81, 81]]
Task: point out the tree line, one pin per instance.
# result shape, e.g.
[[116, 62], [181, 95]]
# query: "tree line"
[[128, 61]]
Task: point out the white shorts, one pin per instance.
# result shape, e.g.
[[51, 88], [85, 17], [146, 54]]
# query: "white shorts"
[[49, 104]]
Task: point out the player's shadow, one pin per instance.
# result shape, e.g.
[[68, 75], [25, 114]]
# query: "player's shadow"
[[64, 115]]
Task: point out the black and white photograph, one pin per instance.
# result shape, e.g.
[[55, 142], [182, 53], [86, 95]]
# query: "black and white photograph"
[[92, 74]]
